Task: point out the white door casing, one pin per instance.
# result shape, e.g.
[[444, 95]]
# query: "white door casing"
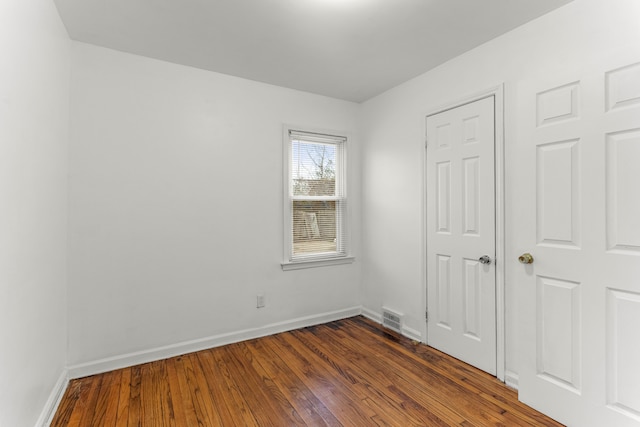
[[579, 216], [460, 176]]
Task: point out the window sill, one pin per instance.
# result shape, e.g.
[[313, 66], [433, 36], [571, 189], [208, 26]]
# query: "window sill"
[[298, 265]]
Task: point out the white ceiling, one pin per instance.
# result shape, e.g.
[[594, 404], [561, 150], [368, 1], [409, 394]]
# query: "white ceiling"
[[347, 49]]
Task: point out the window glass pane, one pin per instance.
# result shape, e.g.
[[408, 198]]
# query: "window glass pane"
[[314, 226], [313, 169]]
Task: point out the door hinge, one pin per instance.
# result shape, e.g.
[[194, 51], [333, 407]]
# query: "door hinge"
[[426, 316]]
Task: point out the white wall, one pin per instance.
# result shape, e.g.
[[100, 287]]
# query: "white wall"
[[34, 93], [580, 34], [176, 206]]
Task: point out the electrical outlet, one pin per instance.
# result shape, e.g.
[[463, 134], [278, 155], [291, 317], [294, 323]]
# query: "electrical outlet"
[[260, 301]]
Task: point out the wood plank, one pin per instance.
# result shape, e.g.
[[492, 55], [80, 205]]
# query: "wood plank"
[[245, 379], [221, 395], [306, 403], [177, 398], [112, 399], [135, 402], [350, 372], [465, 377], [124, 396], [422, 406], [336, 391], [203, 389], [84, 400], [155, 396], [102, 399], [196, 411], [92, 401], [267, 386], [74, 395], [236, 401], [397, 378], [183, 396], [372, 371], [484, 410]]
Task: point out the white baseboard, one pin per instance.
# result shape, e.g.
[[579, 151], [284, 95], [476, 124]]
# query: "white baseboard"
[[370, 314], [406, 331], [411, 333], [145, 356], [51, 406], [511, 379]]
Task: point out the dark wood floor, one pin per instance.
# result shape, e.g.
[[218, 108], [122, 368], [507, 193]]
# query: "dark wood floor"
[[350, 372]]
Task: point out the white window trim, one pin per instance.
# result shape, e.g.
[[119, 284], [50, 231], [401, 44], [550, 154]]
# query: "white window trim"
[[320, 260]]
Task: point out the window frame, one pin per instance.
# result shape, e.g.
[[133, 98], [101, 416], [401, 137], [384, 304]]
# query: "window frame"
[[320, 259]]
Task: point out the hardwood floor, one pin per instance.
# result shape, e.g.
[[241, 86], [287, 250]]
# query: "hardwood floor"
[[350, 373]]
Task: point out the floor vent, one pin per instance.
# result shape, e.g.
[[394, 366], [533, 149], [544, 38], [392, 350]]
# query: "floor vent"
[[392, 320]]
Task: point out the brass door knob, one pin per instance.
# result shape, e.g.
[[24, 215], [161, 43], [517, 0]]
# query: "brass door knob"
[[526, 258]]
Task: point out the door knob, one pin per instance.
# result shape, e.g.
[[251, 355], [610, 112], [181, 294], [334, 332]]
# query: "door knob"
[[526, 258], [485, 259]]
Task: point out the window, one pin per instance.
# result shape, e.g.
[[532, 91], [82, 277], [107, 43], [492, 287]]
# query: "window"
[[316, 214]]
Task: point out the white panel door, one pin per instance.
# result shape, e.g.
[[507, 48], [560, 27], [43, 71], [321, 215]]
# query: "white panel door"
[[461, 289], [578, 214]]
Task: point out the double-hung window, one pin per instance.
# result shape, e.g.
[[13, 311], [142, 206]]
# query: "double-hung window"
[[316, 205]]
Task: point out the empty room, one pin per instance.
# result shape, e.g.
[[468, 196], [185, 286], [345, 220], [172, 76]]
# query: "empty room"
[[320, 212]]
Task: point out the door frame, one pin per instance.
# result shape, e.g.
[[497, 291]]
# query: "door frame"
[[498, 93]]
